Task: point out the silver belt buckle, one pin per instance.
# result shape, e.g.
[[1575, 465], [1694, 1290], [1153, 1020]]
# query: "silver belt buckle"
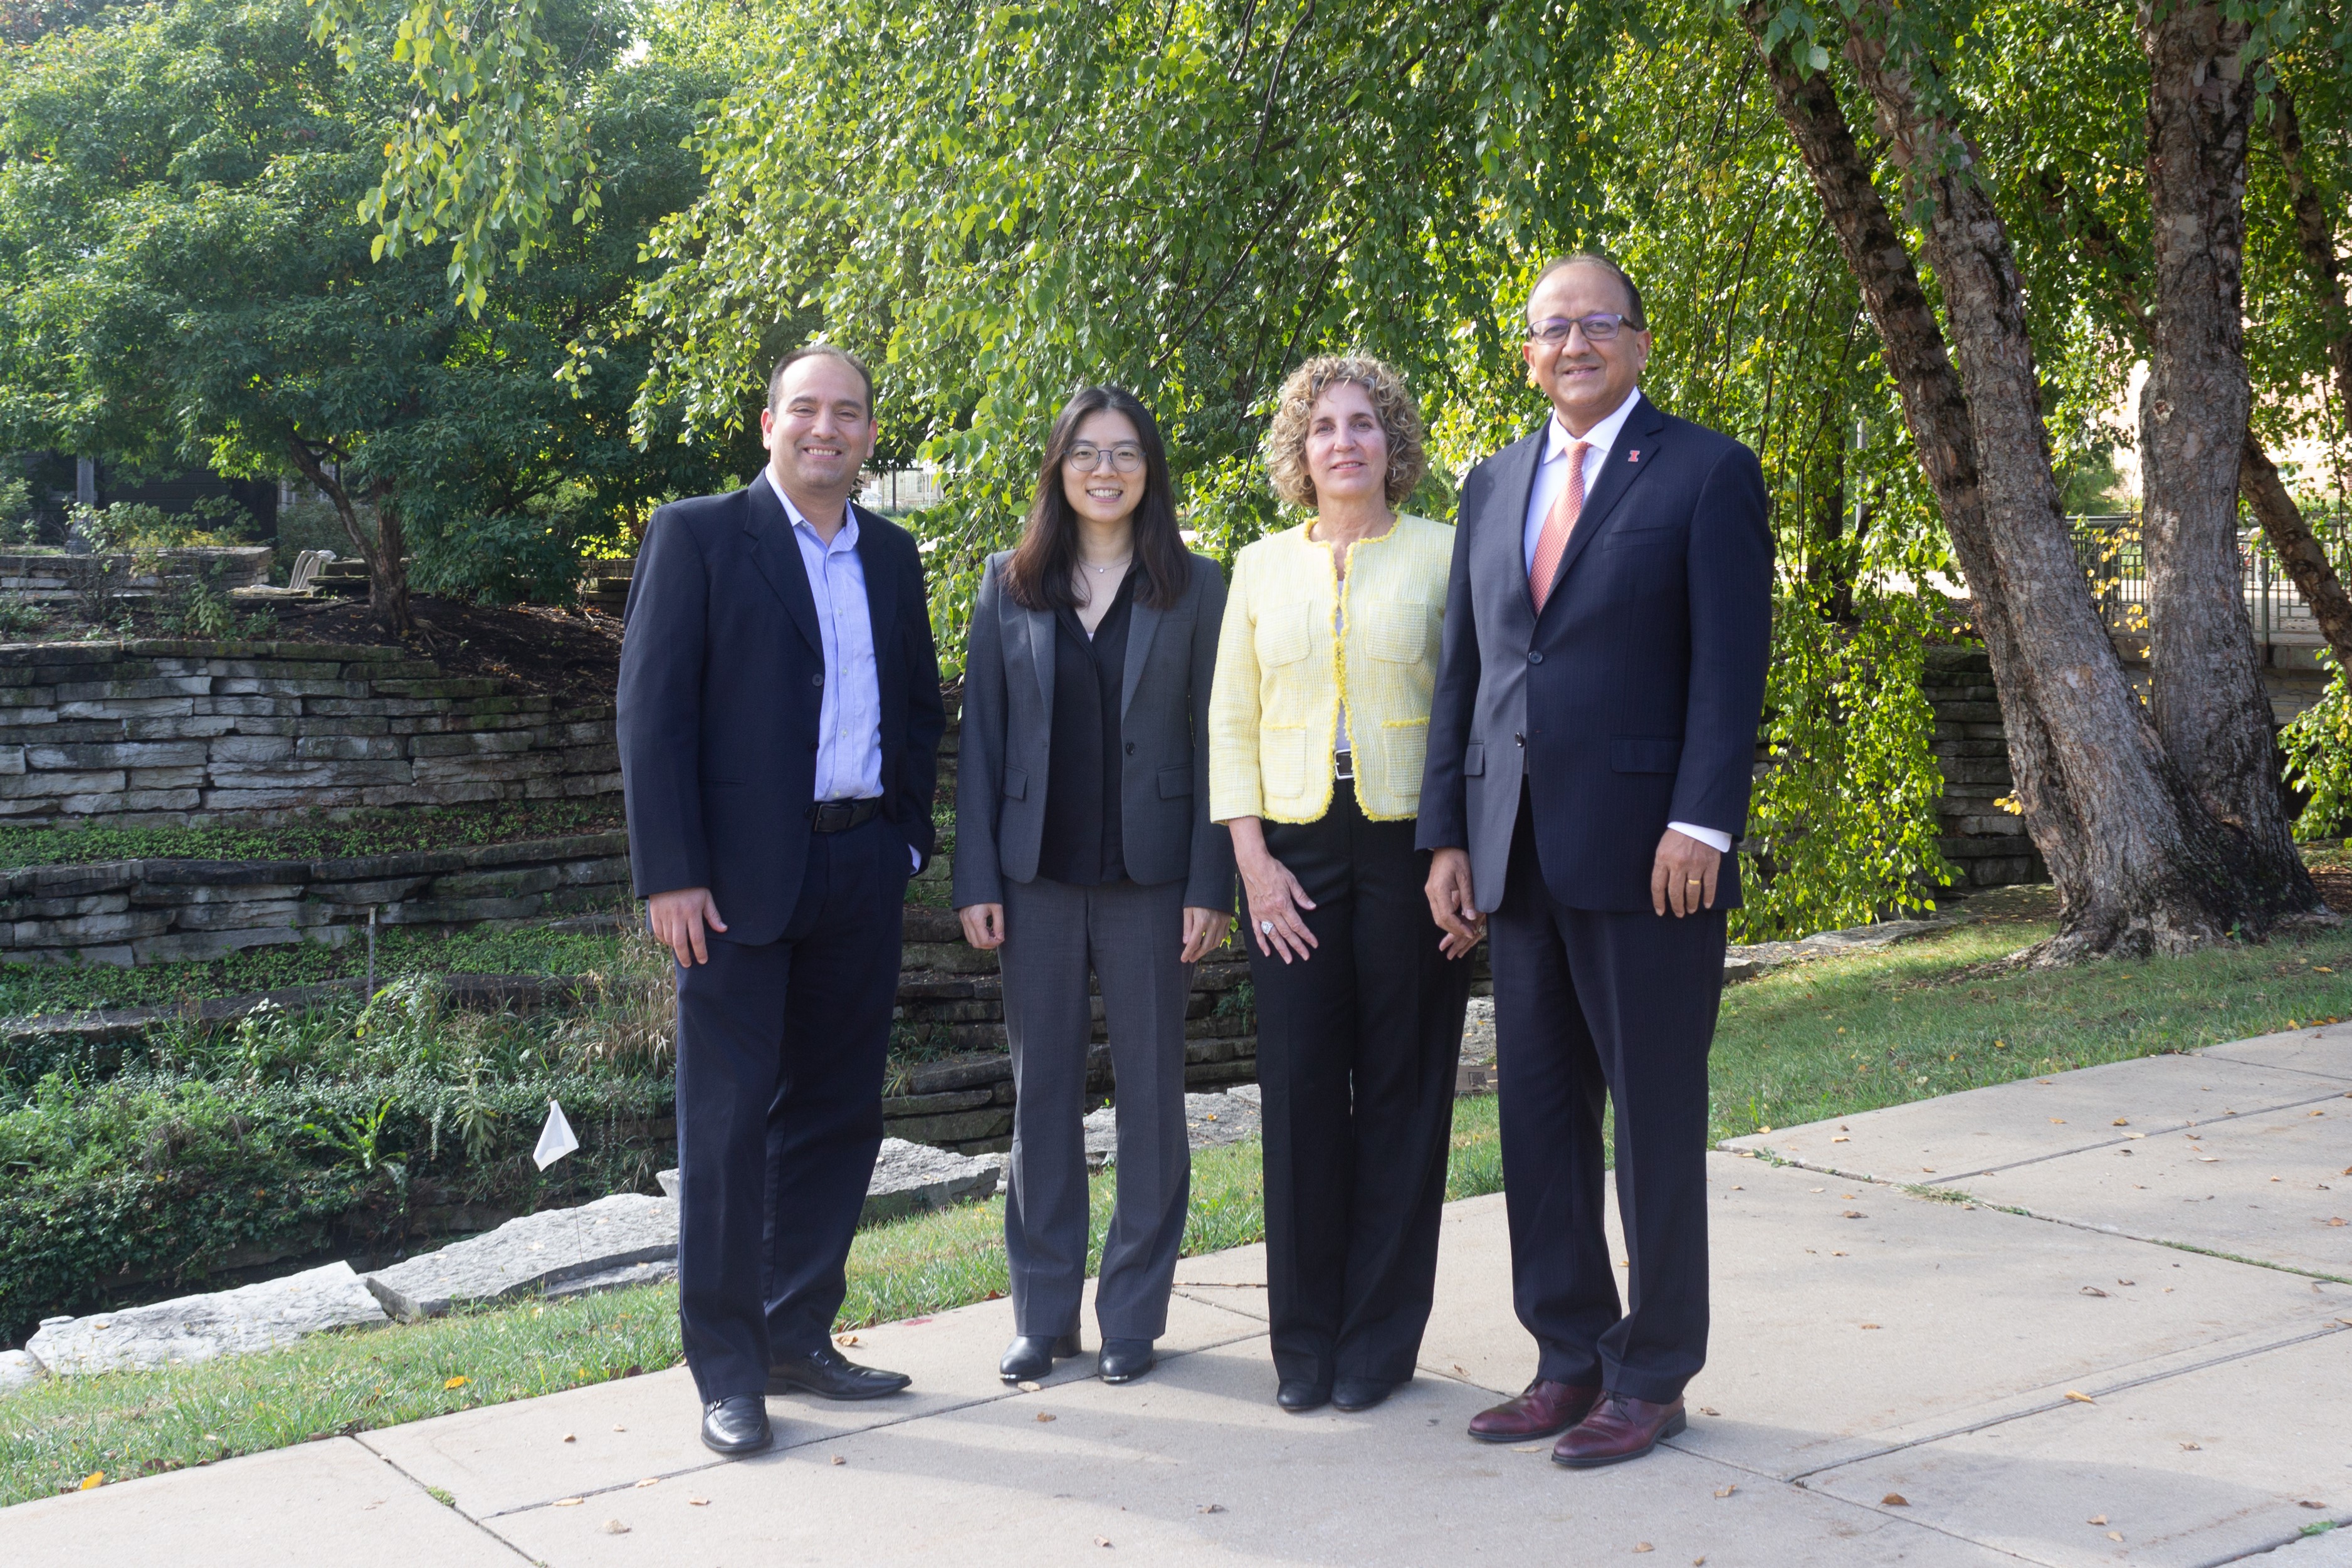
[[1343, 765]]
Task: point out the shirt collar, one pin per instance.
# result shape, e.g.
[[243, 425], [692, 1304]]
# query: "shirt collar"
[[845, 539], [1602, 435]]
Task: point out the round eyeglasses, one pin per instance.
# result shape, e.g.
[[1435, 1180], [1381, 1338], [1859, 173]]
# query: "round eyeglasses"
[[1600, 326], [1125, 458]]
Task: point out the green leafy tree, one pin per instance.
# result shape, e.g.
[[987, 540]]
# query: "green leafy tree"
[[184, 277]]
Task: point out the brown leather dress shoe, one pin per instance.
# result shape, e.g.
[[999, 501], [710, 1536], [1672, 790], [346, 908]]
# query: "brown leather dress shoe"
[[1620, 1428], [1544, 1410]]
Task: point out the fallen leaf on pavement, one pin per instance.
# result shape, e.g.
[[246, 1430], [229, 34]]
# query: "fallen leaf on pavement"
[[1212, 1508], [1727, 1491], [95, 1478], [2057, 1121], [613, 1527], [1870, 1325], [2120, 1122], [2308, 1502], [1894, 1499], [650, 1481], [570, 1501], [570, 1438], [2097, 1518], [2080, 1398], [844, 1338], [618, 1427], [1841, 1140], [1026, 1388], [2093, 1290], [2193, 1448], [1043, 1416], [1708, 1410], [697, 1502], [1102, 1541], [2115, 1535], [839, 1460], [1855, 1213], [1643, 1547]]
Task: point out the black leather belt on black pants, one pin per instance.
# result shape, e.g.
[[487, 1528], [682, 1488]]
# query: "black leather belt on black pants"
[[840, 816]]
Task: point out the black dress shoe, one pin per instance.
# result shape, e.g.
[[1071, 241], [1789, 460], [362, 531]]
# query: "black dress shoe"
[[829, 1374], [1299, 1397], [1031, 1356], [1125, 1360], [736, 1425], [1353, 1393]]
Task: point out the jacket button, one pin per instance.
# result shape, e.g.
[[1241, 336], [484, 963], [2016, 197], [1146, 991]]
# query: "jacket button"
[[1534, 655], [817, 679], [1518, 738], [812, 745], [1130, 749]]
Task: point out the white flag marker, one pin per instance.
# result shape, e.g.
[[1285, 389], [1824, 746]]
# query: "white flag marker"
[[556, 1139]]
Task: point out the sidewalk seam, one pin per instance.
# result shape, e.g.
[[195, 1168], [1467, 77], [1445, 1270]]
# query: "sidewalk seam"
[[405, 1474]]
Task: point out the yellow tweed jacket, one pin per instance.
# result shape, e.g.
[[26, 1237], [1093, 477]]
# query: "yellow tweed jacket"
[[1284, 673]]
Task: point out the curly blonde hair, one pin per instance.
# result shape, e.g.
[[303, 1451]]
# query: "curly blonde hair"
[[1393, 403]]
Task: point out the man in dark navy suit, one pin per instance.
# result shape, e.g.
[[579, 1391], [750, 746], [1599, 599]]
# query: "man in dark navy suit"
[[1591, 745], [779, 724]]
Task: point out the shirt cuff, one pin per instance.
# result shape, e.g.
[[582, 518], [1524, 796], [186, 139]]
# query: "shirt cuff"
[[914, 857], [1720, 842]]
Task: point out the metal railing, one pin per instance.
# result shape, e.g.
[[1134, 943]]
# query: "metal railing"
[[2115, 561]]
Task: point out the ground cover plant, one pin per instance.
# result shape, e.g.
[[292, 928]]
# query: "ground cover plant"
[[316, 838], [333, 1130], [28, 990]]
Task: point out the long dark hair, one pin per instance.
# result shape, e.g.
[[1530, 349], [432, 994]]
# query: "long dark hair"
[[1038, 575]]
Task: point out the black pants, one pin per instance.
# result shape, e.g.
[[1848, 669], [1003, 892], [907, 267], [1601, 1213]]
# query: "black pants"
[[1356, 1055], [1592, 1004], [779, 1062]]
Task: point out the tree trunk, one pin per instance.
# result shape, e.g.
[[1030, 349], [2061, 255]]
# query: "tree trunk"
[[2298, 550], [2212, 710], [384, 551], [2140, 867]]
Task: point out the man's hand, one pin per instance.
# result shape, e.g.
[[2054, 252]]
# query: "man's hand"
[[677, 919], [1204, 931], [1682, 877], [983, 924], [1452, 903]]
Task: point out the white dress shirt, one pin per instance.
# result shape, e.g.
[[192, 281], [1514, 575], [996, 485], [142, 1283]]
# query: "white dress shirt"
[[1551, 476]]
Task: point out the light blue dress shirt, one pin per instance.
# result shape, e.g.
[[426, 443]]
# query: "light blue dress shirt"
[[1551, 477], [849, 717]]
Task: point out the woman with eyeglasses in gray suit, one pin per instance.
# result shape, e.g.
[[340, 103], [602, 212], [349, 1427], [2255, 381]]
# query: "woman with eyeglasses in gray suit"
[[1084, 846]]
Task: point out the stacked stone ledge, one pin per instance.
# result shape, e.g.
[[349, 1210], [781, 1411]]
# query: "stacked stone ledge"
[[45, 577], [160, 733], [1986, 844]]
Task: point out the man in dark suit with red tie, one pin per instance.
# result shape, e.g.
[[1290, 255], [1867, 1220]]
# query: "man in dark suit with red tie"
[[1591, 746], [780, 723]]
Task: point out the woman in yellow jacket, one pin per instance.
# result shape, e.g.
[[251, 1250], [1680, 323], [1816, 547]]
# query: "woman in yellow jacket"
[[1319, 721]]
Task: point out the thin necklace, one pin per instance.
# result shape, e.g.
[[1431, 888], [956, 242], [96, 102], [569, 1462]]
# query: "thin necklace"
[[1099, 571]]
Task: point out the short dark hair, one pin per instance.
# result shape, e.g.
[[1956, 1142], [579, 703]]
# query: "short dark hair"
[[821, 350], [1635, 317]]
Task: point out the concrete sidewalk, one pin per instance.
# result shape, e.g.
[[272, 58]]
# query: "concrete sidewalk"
[[2092, 1319]]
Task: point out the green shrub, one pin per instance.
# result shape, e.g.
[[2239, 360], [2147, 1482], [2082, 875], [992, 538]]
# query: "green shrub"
[[2318, 746], [289, 1131]]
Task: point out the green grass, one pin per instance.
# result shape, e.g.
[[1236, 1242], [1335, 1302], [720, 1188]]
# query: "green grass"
[[377, 832], [28, 989], [1836, 1037], [60, 1431]]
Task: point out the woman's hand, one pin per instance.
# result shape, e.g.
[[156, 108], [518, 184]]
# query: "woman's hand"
[[1204, 931], [983, 924], [1276, 897], [1452, 905]]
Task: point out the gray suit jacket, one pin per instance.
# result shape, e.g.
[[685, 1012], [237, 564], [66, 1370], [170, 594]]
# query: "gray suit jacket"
[[1008, 714]]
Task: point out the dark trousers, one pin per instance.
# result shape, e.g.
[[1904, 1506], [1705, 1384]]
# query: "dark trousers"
[[1590, 1005], [1356, 1054], [779, 1062], [1132, 939]]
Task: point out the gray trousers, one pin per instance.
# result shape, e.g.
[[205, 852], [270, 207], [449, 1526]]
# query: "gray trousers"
[[1131, 938]]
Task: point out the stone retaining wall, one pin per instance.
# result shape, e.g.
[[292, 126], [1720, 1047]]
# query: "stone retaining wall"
[[41, 578], [158, 733], [166, 911], [1986, 845]]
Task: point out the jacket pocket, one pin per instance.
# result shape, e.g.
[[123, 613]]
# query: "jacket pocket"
[[1282, 635], [1282, 760], [1016, 784], [1175, 783], [1645, 753], [1397, 632], [1407, 743], [1473, 761]]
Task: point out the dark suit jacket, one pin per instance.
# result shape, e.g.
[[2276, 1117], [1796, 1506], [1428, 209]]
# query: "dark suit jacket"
[[722, 678], [1008, 713], [1633, 700]]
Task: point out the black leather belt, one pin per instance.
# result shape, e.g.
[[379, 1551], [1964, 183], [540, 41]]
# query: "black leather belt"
[[840, 816]]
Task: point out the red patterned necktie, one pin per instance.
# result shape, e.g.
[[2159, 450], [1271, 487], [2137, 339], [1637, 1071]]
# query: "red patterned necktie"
[[1558, 523]]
